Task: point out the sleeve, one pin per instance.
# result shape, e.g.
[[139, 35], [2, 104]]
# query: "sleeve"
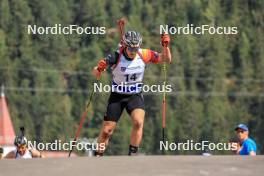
[[150, 56], [250, 148], [112, 59]]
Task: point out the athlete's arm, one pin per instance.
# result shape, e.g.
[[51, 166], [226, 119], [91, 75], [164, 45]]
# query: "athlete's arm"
[[36, 154], [155, 57], [165, 54], [1, 152], [101, 66], [10, 155], [150, 56], [109, 61]]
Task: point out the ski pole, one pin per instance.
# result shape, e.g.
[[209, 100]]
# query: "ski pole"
[[121, 23], [164, 69], [77, 133], [166, 58]]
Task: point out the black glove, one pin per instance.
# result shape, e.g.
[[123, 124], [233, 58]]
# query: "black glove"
[[1, 150]]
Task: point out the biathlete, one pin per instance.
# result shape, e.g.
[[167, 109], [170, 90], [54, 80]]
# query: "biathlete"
[[127, 65], [22, 151]]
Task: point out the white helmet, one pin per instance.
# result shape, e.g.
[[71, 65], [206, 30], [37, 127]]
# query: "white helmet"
[[132, 39]]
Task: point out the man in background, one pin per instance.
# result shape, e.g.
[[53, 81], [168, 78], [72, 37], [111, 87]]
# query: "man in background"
[[247, 145]]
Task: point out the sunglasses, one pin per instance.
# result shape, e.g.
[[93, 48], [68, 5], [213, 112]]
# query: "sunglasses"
[[239, 131], [133, 49], [22, 147]]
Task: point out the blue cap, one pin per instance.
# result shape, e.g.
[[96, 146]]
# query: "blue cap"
[[242, 127]]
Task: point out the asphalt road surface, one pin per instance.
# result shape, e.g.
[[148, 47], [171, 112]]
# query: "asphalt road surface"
[[137, 165]]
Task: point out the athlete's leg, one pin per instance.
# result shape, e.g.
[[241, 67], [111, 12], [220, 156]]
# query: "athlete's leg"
[[137, 116], [113, 113], [135, 108], [104, 135]]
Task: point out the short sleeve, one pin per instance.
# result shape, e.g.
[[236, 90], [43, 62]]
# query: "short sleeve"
[[250, 148], [112, 59], [150, 56]]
